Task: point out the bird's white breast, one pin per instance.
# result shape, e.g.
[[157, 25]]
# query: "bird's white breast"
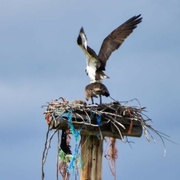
[[91, 66], [91, 71]]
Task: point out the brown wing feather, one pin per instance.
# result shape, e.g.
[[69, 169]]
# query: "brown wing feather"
[[116, 38]]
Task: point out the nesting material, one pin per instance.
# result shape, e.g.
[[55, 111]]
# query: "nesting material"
[[113, 119]]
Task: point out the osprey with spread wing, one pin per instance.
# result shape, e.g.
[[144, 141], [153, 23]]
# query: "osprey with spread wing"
[[96, 63]]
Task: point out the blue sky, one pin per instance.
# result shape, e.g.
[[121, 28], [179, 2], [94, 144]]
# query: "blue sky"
[[38, 55]]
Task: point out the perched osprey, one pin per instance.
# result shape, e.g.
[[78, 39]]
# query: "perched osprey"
[[96, 63], [94, 90]]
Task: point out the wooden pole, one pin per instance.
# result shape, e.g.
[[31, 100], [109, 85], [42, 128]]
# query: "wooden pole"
[[91, 153]]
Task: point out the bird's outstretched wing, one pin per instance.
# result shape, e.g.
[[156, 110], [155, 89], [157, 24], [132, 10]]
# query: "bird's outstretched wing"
[[82, 42], [116, 38], [82, 39]]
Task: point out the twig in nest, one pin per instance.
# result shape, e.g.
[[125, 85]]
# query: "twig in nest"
[[118, 131], [57, 163], [46, 149], [161, 135], [113, 121], [43, 157], [134, 99]]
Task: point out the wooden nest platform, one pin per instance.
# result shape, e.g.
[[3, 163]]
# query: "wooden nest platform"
[[89, 124], [114, 119]]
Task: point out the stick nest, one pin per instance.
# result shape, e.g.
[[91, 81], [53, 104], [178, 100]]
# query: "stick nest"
[[114, 119]]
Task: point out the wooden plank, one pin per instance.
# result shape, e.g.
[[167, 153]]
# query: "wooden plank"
[[106, 130], [91, 153], [111, 120]]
